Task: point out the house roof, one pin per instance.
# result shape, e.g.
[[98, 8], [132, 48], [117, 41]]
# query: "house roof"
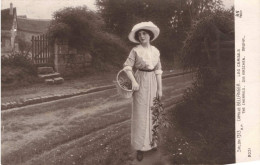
[[7, 19], [33, 25]]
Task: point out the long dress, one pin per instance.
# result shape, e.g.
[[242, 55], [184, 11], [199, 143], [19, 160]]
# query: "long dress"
[[141, 120]]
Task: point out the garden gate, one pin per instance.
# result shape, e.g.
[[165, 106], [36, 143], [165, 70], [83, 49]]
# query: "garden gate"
[[42, 51]]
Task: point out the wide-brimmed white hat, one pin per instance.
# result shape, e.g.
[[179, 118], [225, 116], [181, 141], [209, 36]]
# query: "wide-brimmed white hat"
[[144, 25]]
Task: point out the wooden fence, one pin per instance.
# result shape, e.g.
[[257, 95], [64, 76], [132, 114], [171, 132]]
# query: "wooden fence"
[[42, 51]]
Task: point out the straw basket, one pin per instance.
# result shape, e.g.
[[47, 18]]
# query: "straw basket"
[[125, 93]]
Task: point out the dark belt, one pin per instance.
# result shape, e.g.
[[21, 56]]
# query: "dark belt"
[[146, 70]]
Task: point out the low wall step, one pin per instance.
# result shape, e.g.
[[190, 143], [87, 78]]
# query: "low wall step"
[[45, 70], [58, 80], [48, 76], [51, 81]]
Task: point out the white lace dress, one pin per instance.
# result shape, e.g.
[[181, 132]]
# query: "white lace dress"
[[141, 121]]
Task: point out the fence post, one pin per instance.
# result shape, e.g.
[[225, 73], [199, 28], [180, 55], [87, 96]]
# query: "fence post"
[[218, 47], [33, 53], [43, 50], [40, 49], [47, 44], [46, 48], [56, 58]]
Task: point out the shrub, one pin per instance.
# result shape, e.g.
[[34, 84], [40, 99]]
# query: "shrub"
[[208, 106], [83, 29], [208, 119], [209, 75], [201, 35], [109, 51], [24, 46], [18, 69]]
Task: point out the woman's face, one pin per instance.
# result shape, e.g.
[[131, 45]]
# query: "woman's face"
[[143, 37]]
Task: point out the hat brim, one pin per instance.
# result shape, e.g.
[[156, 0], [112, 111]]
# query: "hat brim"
[[154, 30]]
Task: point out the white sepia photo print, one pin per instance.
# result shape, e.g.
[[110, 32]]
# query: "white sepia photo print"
[[130, 82]]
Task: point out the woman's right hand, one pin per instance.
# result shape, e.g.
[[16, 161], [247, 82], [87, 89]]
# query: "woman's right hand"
[[135, 86]]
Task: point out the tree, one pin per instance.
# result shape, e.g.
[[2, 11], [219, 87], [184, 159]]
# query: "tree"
[[77, 25], [118, 15], [121, 15], [196, 7], [84, 31], [173, 17], [201, 33]]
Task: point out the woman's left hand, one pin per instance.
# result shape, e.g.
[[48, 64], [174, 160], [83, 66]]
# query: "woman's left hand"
[[159, 94]]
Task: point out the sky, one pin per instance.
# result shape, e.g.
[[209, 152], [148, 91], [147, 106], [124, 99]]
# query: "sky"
[[43, 9]]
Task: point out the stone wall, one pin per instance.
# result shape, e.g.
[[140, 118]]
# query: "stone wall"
[[69, 61]]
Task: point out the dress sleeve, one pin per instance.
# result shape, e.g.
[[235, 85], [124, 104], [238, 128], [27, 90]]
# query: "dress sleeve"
[[130, 61], [158, 67]]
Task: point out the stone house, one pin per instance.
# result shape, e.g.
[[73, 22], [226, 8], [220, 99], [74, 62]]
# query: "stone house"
[[16, 29], [28, 27], [8, 30]]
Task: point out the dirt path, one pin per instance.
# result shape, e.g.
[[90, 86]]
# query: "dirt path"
[[88, 129], [38, 93]]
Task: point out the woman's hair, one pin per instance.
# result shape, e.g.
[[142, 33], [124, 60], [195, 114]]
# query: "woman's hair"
[[147, 31]]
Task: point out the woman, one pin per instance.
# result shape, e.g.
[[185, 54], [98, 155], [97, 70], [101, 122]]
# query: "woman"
[[146, 82]]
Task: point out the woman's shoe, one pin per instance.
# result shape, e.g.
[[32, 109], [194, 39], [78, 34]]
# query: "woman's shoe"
[[139, 155], [154, 149]]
